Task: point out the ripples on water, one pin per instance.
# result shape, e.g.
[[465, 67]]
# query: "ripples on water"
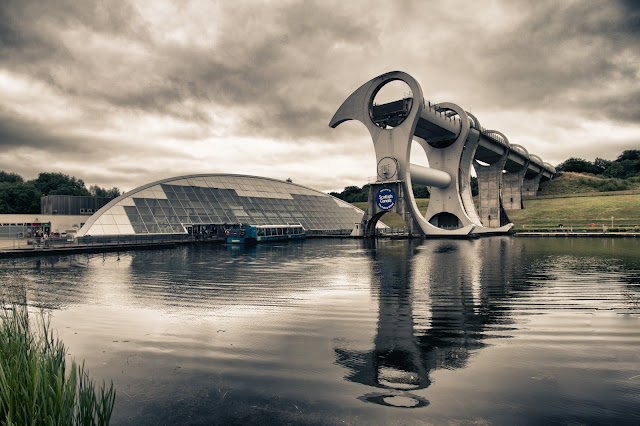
[[498, 330]]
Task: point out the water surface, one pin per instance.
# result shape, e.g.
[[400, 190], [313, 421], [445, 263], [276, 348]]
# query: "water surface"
[[497, 330]]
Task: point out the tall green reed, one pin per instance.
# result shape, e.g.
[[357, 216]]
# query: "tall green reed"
[[34, 385]]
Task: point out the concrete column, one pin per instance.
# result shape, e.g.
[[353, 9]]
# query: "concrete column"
[[512, 189], [530, 186], [489, 185]]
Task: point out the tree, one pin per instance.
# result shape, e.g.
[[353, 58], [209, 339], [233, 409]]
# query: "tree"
[[474, 186], [601, 164], [113, 192], [19, 197], [97, 191], [629, 154], [10, 177], [625, 166], [353, 194], [420, 191], [578, 165], [60, 184]]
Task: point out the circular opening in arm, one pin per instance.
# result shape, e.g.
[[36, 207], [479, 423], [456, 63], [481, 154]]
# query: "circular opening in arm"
[[391, 104]]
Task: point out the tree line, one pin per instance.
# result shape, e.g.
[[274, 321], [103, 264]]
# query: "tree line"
[[19, 196], [626, 166]]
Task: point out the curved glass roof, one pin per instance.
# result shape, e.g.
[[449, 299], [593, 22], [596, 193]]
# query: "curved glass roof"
[[171, 205]]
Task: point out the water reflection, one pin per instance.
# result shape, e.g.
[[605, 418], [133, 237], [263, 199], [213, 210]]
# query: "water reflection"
[[438, 301], [305, 333]]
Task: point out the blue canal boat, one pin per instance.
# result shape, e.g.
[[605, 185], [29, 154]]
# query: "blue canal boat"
[[249, 234]]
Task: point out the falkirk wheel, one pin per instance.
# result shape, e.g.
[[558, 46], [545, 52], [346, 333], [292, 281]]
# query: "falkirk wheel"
[[453, 142]]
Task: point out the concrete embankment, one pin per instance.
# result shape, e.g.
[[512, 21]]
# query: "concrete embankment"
[[13, 249]]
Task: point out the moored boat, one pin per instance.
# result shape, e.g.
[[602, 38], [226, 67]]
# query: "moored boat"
[[249, 234]]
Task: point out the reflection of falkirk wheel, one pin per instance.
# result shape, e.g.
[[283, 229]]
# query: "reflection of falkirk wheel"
[[450, 138]]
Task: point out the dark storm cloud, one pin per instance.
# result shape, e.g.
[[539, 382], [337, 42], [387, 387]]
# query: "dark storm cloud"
[[30, 30], [564, 56], [260, 54], [17, 133], [275, 65], [137, 77]]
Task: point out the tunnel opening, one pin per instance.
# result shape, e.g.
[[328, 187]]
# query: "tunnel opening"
[[395, 225], [446, 220], [391, 104]]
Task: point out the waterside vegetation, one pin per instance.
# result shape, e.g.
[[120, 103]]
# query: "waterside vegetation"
[[35, 385]]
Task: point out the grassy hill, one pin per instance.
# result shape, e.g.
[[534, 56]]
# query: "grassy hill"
[[567, 183], [576, 200], [615, 212], [572, 200]]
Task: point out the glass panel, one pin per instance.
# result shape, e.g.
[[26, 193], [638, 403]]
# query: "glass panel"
[[147, 219], [177, 229], [168, 211], [107, 219], [153, 229], [110, 229], [139, 229], [174, 220], [180, 211], [135, 219], [125, 229], [121, 219]]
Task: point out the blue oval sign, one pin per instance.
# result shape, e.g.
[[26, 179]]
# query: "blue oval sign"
[[386, 198]]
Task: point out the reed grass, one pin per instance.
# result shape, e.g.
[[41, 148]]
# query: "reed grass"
[[35, 388]]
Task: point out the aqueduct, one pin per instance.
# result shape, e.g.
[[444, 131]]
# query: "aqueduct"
[[453, 141]]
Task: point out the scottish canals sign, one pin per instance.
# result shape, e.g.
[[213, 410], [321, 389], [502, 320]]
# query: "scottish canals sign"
[[386, 198]]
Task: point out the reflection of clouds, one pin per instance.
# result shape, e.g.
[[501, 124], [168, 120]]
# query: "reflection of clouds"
[[202, 278], [436, 302]]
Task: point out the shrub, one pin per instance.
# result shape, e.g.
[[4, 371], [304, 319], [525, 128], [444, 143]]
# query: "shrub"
[[613, 185]]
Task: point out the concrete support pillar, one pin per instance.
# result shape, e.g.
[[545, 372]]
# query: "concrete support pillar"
[[530, 186], [512, 189], [489, 185]]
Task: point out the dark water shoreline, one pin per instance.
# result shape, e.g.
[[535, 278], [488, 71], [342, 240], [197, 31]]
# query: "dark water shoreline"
[[8, 252]]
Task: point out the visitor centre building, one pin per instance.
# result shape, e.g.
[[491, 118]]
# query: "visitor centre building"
[[207, 203]]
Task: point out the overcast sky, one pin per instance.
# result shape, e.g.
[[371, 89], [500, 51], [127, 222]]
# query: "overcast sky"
[[124, 92]]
